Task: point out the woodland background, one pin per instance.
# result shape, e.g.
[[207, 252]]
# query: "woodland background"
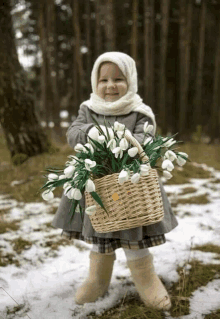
[[175, 43]]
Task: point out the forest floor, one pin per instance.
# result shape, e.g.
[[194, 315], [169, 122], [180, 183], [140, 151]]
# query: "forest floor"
[[40, 270]]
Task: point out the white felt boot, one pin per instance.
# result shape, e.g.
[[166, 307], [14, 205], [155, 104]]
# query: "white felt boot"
[[148, 284], [98, 281]]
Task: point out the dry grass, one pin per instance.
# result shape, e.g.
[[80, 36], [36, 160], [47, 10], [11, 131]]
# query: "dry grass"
[[198, 200]]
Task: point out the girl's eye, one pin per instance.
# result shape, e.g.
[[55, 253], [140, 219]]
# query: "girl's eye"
[[119, 79]]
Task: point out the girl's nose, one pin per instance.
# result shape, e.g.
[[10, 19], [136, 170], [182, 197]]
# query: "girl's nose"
[[110, 84]]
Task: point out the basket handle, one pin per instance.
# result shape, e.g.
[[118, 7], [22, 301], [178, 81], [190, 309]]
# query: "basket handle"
[[134, 142]]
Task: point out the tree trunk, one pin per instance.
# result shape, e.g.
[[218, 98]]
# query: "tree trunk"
[[182, 66], [215, 116], [88, 42], [78, 55], [98, 28], [109, 25], [53, 64], [134, 33], [188, 57], [18, 119], [198, 94], [165, 9], [149, 26], [46, 106]]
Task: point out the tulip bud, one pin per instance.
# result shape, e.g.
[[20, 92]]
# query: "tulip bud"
[[69, 171], [47, 195], [135, 178], [132, 152], [167, 174], [91, 210], [52, 177]]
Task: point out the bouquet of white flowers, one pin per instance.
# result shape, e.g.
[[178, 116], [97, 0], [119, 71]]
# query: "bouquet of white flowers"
[[109, 152]]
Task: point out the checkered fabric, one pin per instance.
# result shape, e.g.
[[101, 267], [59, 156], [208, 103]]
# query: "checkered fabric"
[[108, 245]]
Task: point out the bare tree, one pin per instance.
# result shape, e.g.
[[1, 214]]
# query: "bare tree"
[[182, 66], [134, 33], [200, 63], [77, 53], [45, 96], [215, 115], [109, 25], [18, 119], [165, 9], [98, 28], [149, 26], [52, 63]]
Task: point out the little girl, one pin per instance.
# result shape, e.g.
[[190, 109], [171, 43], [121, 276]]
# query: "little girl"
[[114, 86]]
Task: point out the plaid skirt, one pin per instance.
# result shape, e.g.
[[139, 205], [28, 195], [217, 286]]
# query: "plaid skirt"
[[108, 245]]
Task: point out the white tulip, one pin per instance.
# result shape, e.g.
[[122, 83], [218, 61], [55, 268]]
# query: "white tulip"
[[69, 171], [148, 140], [148, 128], [180, 161], [89, 164], [123, 177], [74, 193], [117, 151], [110, 131], [111, 144], [167, 174], [135, 178], [133, 151], [62, 177], [119, 134], [170, 155], [118, 126], [123, 144], [53, 177], [67, 184], [169, 143], [79, 148], [47, 195], [184, 154], [91, 210], [90, 186], [93, 133], [145, 168], [90, 147], [167, 164], [101, 139], [67, 190]]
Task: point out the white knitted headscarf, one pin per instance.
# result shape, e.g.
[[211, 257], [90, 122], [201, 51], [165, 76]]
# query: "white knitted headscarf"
[[131, 101]]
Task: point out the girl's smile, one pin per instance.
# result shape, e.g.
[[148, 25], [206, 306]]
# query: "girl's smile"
[[112, 84]]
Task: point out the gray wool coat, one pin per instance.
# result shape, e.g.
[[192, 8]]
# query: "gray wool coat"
[[134, 121]]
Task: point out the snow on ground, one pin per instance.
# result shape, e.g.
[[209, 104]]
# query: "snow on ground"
[[47, 279]]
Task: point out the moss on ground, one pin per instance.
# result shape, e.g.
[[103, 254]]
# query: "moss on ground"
[[213, 315], [55, 244], [7, 226], [198, 200], [20, 244], [188, 190], [210, 248], [8, 259], [199, 275]]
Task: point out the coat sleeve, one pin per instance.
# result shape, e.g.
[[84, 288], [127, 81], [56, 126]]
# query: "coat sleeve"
[[74, 134], [138, 132]]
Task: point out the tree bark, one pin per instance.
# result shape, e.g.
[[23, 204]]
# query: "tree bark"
[[149, 26], [98, 28], [134, 32], [18, 119], [182, 66], [109, 25], [88, 41], [165, 9], [78, 55], [46, 105], [53, 64], [215, 116], [198, 95]]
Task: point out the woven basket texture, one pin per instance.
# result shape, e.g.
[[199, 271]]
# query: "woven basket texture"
[[129, 205]]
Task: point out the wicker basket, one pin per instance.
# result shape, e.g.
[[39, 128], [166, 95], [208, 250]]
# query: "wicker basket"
[[129, 205]]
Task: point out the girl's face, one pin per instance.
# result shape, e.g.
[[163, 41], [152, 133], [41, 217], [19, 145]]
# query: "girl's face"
[[112, 84]]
